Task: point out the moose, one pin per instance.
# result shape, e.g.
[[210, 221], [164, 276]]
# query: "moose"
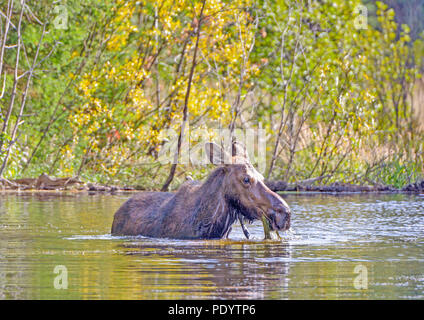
[[234, 190]]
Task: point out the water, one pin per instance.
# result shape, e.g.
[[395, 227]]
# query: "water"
[[341, 247]]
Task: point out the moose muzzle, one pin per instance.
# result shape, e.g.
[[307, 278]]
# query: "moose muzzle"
[[279, 214]]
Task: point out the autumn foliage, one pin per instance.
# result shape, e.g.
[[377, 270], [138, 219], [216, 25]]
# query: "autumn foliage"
[[334, 99]]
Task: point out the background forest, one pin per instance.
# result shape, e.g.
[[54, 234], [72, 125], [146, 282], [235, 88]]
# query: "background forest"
[[89, 88]]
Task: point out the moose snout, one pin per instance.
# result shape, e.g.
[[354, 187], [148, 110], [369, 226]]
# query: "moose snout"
[[280, 216]]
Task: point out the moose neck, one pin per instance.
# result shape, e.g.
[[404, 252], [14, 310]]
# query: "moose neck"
[[214, 216]]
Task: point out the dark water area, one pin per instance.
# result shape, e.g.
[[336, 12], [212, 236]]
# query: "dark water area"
[[339, 247]]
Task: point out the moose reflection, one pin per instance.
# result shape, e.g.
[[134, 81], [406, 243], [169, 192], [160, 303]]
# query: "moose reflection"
[[205, 211]]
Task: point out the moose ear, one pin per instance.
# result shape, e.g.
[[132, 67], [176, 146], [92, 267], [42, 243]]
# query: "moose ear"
[[216, 154], [239, 150]]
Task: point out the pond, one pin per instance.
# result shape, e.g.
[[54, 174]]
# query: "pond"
[[340, 247]]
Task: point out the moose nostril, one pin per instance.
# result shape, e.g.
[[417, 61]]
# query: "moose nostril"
[[283, 210]]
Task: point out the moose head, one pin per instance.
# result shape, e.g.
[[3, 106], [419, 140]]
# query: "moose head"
[[244, 188]]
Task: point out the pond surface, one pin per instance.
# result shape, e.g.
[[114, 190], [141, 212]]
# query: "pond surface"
[[340, 247]]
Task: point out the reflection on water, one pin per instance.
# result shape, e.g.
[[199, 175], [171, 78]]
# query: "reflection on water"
[[332, 235]]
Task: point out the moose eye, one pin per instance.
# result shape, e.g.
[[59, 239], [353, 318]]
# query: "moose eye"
[[246, 180]]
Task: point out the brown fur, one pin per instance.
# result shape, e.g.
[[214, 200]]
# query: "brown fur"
[[203, 211]]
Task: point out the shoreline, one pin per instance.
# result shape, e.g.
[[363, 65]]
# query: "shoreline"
[[46, 184]]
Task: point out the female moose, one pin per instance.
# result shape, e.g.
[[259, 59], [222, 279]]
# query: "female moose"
[[207, 210]]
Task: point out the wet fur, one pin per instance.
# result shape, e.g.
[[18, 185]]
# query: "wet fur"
[[195, 211]]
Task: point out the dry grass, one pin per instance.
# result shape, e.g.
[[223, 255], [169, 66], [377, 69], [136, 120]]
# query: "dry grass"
[[418, 102]]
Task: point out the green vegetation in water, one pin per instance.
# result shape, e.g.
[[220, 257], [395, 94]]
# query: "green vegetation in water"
[[267, 229]]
